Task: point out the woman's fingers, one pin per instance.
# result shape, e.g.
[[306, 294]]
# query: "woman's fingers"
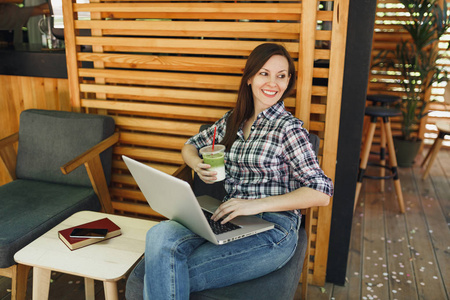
[[233, 208], [207, 176]]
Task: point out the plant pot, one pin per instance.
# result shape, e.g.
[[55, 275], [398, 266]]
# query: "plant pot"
[[406, 151]]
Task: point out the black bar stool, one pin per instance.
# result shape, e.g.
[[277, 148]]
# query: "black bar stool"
[[385, 101], [382, 112]]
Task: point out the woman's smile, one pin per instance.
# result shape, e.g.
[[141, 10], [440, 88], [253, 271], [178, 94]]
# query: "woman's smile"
[[269, 93]]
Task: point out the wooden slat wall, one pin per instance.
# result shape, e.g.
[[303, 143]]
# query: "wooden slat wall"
[[388, 32], [162, 68], [18, 93]]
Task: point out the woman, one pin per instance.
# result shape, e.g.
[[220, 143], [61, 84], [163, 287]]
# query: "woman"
[[272, 172]]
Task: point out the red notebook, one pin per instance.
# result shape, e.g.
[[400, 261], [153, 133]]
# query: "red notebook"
[[76, 243]]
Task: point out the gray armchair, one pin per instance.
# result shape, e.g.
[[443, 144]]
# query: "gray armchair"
[[280, 284], [40, 195]]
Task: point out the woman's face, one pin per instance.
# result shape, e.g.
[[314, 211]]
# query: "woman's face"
[[269, 83]]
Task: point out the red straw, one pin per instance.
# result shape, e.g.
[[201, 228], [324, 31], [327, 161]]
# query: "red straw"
[[214, 138]]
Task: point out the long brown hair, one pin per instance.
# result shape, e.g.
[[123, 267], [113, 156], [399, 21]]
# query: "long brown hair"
[[244, 104]]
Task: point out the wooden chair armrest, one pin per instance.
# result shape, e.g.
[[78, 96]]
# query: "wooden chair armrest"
[[94, 168], [8, 154], [90, 154], [184, 172], [9, 140]]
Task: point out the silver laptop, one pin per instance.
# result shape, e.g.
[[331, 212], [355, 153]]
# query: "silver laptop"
[[174, 199]]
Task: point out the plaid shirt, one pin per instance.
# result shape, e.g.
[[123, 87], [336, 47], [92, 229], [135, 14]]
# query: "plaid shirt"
[[276, 159]]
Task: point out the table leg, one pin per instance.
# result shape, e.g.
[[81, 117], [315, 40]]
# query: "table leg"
[[41, 283], [110, 290], [89, 290]]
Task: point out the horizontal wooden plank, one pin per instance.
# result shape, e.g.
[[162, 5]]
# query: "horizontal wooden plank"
[[141, 209], [182, 46], [124, 179], [316, 126], [169, 63], [318, 108], [152, 140], [287, 16], [128, 194], [159, 93], [391, 36], [119, 165], [322, 54], [319, 90], [233, 11], [231, 8], [184, 101], [321, 72], [323, 15], [384, 46], [268, 30], [175, 127], [150, 109], [171, 79], [232, 1], [323, 35], [155, 155]]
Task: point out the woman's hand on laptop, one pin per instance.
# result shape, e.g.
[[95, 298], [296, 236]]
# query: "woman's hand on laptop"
[[237, 207]]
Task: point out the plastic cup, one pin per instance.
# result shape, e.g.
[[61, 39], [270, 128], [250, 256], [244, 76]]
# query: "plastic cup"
[[215, 159]]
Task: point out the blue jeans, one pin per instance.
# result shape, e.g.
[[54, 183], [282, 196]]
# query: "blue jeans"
[[178, 262]]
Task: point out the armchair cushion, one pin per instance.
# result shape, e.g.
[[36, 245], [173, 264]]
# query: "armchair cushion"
[[49, 139], [34, 207]]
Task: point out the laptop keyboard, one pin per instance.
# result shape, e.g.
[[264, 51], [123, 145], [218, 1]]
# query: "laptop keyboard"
[[218, 228]]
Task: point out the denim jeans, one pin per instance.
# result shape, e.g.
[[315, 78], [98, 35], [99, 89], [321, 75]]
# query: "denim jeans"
[[178, 262]]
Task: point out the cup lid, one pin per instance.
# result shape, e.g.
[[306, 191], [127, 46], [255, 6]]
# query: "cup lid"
[[217, 149]]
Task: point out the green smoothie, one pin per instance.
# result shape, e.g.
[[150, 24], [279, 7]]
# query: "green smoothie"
[[215, 159]]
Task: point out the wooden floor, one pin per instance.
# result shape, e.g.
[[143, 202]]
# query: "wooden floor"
[[392, 255]]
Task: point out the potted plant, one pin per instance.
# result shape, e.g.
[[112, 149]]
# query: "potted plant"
[[415, 62]]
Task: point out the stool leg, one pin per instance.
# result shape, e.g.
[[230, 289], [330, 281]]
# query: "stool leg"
[[393, 163], [366, 123], [382, 156], [429, 153], [433, 151], [364, 158]]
